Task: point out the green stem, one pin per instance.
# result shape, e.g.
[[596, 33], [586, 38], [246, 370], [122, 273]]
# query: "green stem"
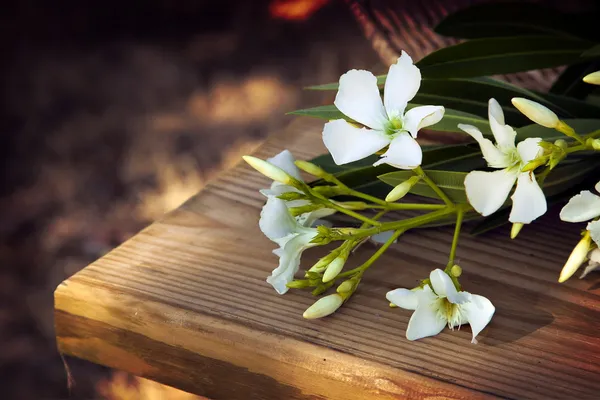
[[419, 171], [404, 224], [350, 213], [459, 219], [374, 257]]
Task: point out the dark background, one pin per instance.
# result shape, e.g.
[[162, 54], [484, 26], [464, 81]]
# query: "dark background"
[[112, 114]]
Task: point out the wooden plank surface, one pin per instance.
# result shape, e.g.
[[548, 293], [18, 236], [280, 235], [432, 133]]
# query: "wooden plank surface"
[[185, 303]]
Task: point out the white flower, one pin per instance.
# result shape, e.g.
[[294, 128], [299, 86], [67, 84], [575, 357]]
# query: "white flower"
[[385, 122], [285, 161], [487, 191], [583, 207], [594, 263], [278, 225], [442, 306]]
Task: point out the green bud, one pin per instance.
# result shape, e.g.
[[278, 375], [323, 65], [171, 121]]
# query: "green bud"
[[299, 284], [516, 228], [324, 306], [291, 196], [334, 269], [456, 271], [311, 168], [402, 189], [562, 143], [327, 191], [346, 287], [295, 211]]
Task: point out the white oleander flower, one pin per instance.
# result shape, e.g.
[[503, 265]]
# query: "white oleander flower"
[[594, 263], [444, 305], [487, 191], [385, 122], [285, 161], [584, 207], [293, 238]]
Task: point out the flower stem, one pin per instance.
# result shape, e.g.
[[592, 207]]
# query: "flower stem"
[[419, 171], [459, 219], [360, 270]]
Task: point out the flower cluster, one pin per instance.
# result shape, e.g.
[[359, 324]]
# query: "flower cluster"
[[516, 167]]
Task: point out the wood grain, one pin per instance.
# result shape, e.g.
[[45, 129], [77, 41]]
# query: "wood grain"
[[185, 303]]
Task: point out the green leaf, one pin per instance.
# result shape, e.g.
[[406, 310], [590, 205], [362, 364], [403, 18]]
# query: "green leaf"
[[515, 19], [328, 112], [576, 108], [448, 124], [581, 126], [504, 55], [335, 85], [593, 52], [451, 182], [570, 83]]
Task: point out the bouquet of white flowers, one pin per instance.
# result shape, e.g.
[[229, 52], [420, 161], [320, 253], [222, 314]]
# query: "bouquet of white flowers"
[[511, 174]]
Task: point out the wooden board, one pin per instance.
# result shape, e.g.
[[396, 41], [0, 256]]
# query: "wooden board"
[[185, 303]]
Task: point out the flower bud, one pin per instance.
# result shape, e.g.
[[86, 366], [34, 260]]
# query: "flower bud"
[[562, 143], [269, 170], [402, 189], [345, 287], [593, 78], [516, 228], [577, 257], [311, 168], [334, 269], [456, 271], [536, 112], [324, 306]]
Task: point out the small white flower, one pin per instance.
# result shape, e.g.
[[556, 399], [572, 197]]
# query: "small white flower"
[[594, 263], [442, 306], [285, 161], [584, 207], [487, 191], [278, 225], [385, 122]]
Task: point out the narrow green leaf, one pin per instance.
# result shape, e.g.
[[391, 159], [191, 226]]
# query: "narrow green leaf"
[[570, 83], [451, 182], [581, 126], [335, 85], [328, 112], [515, 19], [504, 55]]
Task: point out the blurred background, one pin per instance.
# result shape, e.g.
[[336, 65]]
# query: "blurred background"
[[116, 112]]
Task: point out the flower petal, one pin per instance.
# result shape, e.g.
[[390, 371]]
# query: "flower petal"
[[403, 298], [529, 149], [347, 143], [529, 201], [420, 117], [404, 153], [487, 191], [594, 228], [444, 287], [479, 312], [289, 262], [358, 98], [308, 219], [425, 321], [285, 161], [581, 207], [381, 238], [504, 134], [401, 85], [494, 157], [275, 220]]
